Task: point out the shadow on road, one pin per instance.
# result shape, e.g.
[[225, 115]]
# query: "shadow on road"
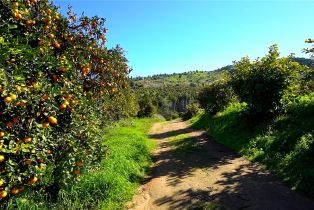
[[241, 184]]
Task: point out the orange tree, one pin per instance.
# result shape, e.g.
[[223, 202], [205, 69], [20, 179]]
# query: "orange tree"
[[54, 72]]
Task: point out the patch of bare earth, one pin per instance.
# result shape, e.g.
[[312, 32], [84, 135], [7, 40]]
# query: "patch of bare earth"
[[208, 177]]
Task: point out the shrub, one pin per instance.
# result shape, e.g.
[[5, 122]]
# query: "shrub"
[[191, 111], [215, 97], [53, 74], [261, 83], [146, 106]]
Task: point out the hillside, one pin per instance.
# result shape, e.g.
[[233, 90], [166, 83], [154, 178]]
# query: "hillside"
[[191, 78]]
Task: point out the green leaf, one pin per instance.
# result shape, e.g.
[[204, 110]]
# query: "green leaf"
[[12, 26], [1, 40], [19, 78]]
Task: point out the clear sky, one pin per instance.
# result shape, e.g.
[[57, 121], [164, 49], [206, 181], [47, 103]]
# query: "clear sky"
[[177, 36]]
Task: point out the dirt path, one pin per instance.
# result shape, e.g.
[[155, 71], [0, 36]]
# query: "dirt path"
[[193, 172]]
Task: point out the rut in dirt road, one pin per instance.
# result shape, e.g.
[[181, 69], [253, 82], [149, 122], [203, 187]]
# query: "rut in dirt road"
[[191, 171]]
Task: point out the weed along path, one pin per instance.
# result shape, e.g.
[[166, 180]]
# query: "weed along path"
[[191, 171]]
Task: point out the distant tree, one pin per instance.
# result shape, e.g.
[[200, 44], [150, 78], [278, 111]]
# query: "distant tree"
[[311, 49]]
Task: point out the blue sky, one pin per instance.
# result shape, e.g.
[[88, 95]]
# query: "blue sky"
[[177, 36]]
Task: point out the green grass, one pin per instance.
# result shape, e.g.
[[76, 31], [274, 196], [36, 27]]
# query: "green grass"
[[114, 182], [285, 144]]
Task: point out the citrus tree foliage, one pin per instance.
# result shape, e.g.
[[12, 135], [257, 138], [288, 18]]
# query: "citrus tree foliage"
[[261, 83], [56, 77], [215, 97]]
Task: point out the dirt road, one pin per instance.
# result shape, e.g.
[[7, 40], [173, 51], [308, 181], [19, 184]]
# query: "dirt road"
[[191, 171]]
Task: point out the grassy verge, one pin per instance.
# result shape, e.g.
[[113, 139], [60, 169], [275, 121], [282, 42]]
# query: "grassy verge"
[[114, 182], [285, 144]]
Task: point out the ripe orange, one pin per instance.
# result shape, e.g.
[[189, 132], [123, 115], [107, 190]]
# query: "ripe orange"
[[17, 16], [15, 190], [63, 70], [51, 36], [68, 97], [1, 182], [32, 180], [2, 134], [85, 70], [40, 161], [63, 106], [13, 96], [52, 120], [56, 44], [3, 194], [27, 139], [9, 124], [42, 51], [29, 23], [1, 158], [28, 162], [45, 97], [46, 124], [8, 99]]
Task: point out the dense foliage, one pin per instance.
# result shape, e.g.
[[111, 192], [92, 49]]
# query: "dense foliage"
[[58, 85], [168, 101], [261, 83], [191, 111], [215, 97]]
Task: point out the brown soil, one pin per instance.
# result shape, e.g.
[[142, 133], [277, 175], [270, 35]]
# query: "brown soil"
[[198, 173]]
